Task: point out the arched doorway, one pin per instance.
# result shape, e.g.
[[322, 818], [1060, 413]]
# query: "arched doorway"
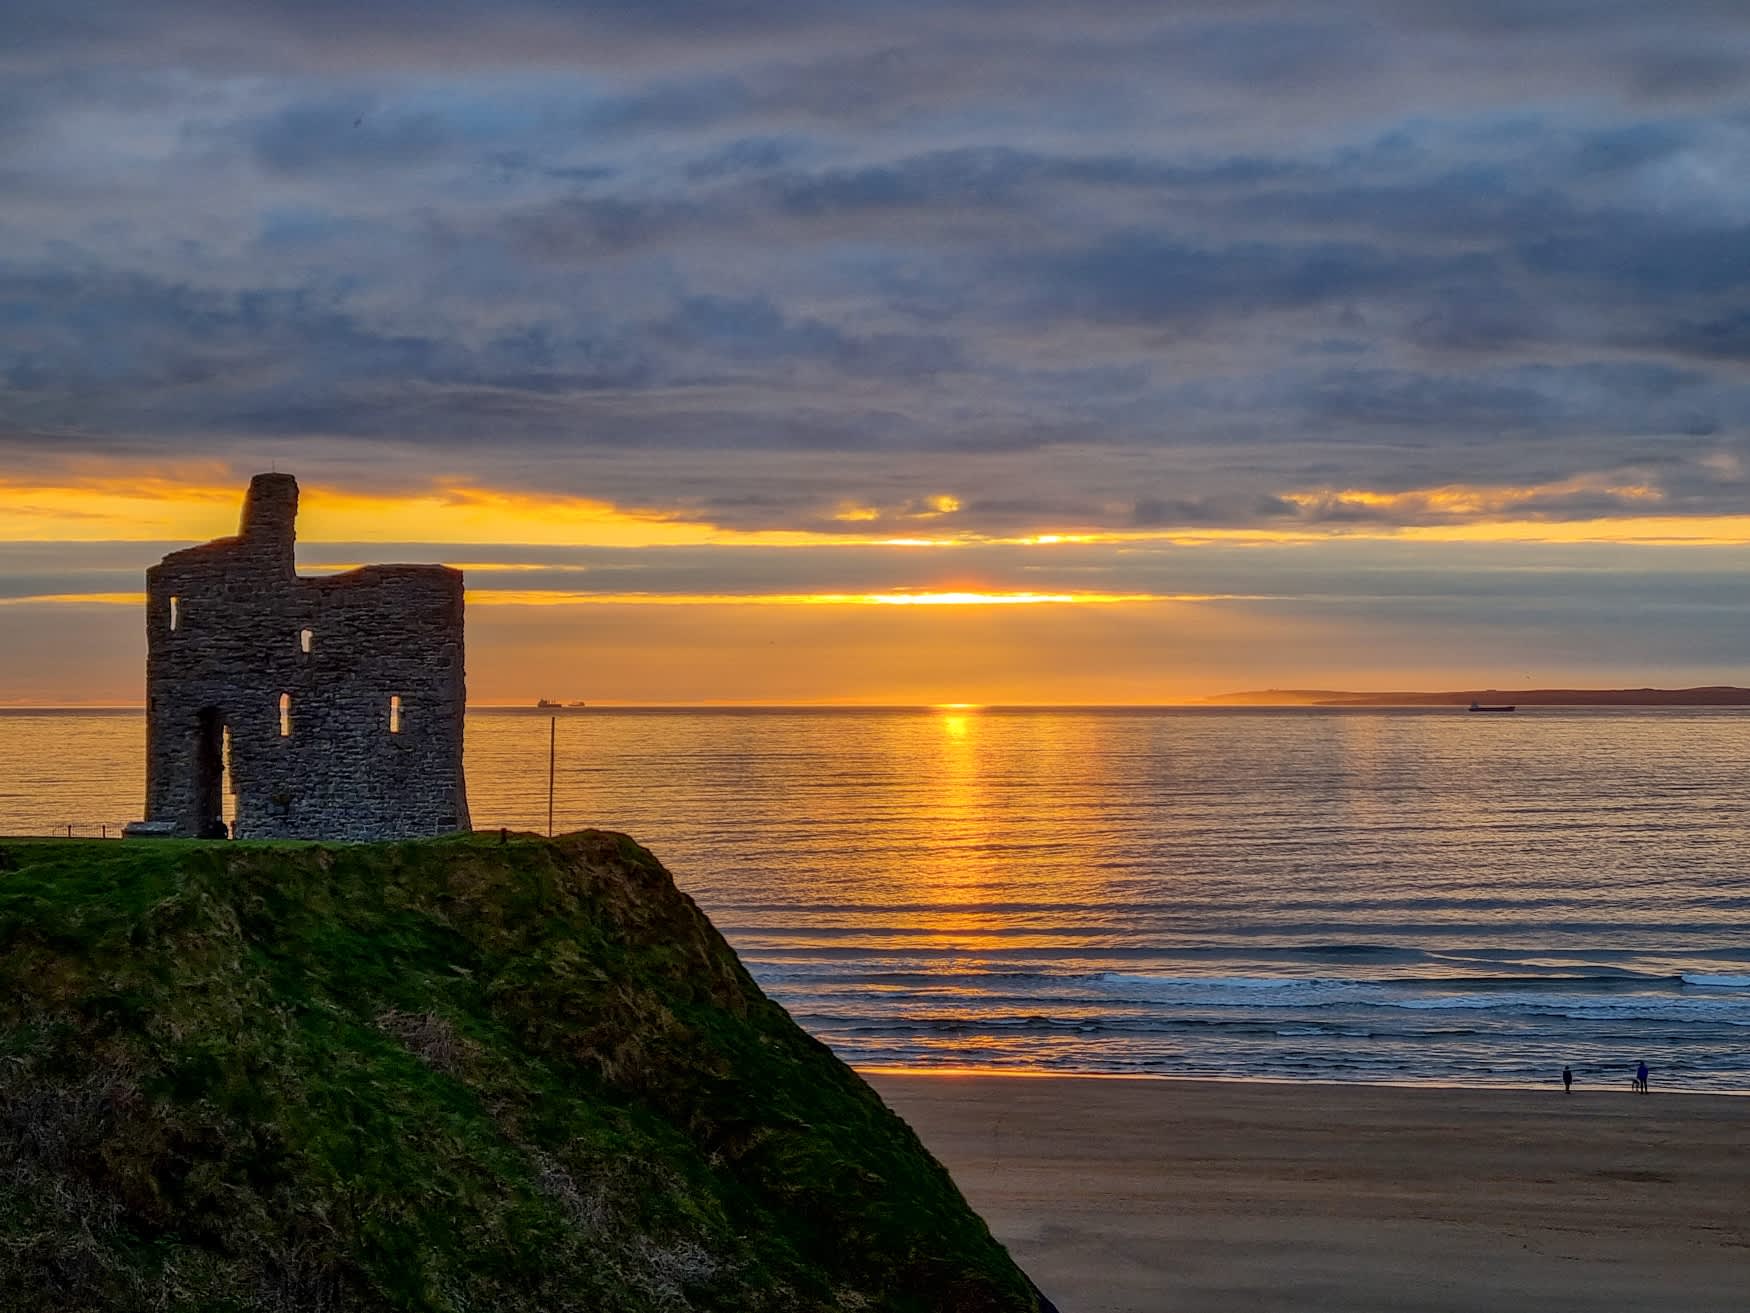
[[212, 751]]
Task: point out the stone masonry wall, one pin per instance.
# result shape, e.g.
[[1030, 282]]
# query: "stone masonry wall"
[[344, 769]]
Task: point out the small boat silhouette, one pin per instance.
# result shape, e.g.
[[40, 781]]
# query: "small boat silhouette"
[[1484, 706]]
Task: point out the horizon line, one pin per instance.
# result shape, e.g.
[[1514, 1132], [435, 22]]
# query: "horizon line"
[[1211, 701]]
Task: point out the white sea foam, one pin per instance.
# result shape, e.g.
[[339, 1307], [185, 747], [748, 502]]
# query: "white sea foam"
[[1716, 982], [1511, 997]]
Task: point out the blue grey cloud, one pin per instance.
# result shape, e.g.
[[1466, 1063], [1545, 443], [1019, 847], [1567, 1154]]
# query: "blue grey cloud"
[[1104, 265]]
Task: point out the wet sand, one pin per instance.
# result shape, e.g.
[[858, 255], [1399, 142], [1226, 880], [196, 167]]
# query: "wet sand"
[[1134, 1195]]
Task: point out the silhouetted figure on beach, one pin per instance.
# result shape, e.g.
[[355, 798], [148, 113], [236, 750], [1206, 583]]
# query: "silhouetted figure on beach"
[[1641, 1078], [1567, 1080]]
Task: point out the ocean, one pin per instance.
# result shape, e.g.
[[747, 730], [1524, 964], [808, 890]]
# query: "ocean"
[[1406, 895]]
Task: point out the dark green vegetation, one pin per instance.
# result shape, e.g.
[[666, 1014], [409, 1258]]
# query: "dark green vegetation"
[[445, 1075]]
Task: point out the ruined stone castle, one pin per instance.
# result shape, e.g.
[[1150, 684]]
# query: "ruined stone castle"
[[331, 706]]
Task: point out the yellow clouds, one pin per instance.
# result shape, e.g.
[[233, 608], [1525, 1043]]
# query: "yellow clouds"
[[76, 599], [463, 515], [1471, 502], [558, 597], [1630, 530], [927, 508], [205, 504], [478, 596], [1528, 513], [195, 504]]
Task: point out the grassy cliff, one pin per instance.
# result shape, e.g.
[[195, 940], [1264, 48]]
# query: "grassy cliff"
[[440, 1075]]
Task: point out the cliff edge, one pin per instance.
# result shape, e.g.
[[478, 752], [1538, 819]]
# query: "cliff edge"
[[433, 1075]]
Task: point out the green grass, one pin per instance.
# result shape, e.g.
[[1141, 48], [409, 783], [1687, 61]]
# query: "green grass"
[[446, 1075]]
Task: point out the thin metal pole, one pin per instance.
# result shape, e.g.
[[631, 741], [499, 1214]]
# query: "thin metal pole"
[[552, 759]]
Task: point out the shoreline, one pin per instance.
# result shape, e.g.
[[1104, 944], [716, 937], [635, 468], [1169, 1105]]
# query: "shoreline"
[[1127, 1195], [873, 1074]]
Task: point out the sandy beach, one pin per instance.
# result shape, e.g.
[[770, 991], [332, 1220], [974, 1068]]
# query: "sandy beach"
[[1126, 1196]]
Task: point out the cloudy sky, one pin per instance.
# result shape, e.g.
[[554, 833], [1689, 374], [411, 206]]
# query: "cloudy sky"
[[894, 351]]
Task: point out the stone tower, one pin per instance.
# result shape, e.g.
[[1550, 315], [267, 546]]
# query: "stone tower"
[[335, 703]]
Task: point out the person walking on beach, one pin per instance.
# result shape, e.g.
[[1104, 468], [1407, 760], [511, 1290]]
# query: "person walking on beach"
[[1567, 1080], [1641, 1078]]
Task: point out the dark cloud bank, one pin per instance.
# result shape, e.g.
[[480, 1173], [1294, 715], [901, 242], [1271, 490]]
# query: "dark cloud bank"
[[1103, 265]]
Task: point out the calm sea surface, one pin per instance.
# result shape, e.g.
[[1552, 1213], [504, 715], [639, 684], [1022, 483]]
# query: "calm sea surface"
[[1407, 895]]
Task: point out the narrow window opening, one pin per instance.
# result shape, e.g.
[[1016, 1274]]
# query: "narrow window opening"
[[395, 714], [306, 640], [285, 715], [175, 618]]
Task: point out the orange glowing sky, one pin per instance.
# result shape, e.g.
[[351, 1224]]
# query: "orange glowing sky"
[[581, 599], [98, 508]]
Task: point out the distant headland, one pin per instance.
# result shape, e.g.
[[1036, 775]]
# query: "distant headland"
[[1714, 695]]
